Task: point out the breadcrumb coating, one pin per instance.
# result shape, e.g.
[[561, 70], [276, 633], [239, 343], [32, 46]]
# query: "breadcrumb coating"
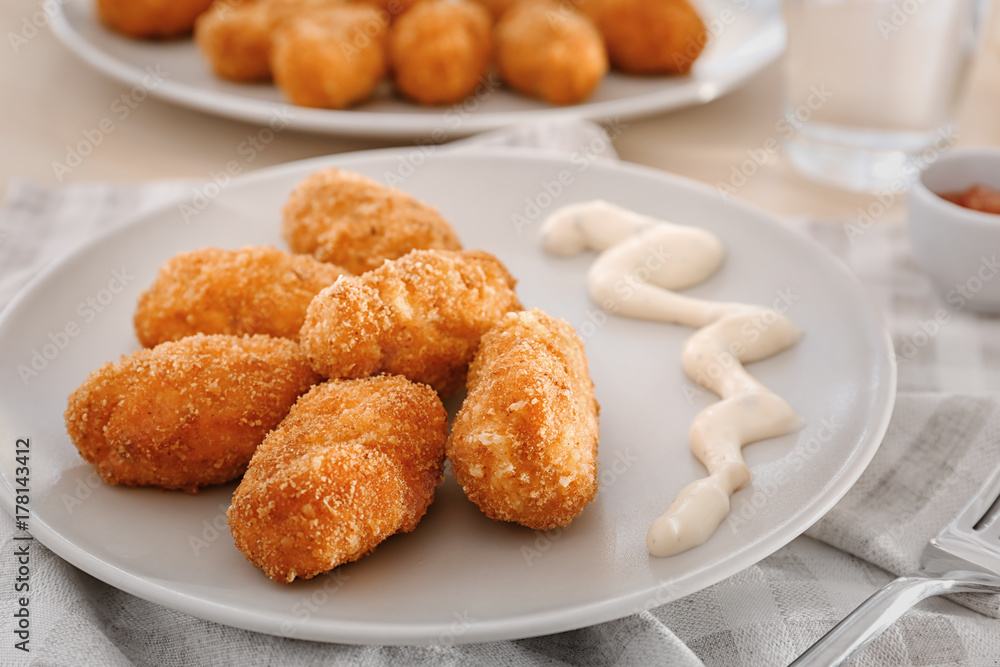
[[143, 19], [440, 49], [524, 444], [497, 7], [332, 58], [186, 414], [354, 462], [235, 37], [257, 289], [550, 51], [392, 8], [649, 36], [420, 316], [341, 217]]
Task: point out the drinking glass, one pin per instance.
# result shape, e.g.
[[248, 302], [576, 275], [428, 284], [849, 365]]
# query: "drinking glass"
[[872, 86]]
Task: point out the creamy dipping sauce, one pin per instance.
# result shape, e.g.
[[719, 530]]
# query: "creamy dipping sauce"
[[729, 335]]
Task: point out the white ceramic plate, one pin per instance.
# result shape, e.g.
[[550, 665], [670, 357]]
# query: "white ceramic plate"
[[749, 34], [460, 577]]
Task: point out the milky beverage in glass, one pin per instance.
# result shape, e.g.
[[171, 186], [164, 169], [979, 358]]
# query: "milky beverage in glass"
[[872, 86]]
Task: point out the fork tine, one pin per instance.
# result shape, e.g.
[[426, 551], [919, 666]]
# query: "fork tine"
[[980, 519], [991, 516], [964, 557]]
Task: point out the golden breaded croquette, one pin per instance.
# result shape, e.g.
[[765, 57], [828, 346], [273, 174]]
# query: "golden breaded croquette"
[[258, 289], [420, 316], [186, 414], [649, 36], [150, 19], [440, 50], [524, 444], [332, 58], [344, 218], [393, 8], [235, 38], [354, 462], [548, 50], [497, 7]]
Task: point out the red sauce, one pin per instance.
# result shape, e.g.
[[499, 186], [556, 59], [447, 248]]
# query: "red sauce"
[[978, 198]]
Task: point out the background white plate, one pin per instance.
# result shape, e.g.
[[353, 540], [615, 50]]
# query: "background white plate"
[[748, 34], [461, 577]]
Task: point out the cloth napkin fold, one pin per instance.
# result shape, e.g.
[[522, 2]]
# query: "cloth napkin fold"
[[939, 447], [939, 451]]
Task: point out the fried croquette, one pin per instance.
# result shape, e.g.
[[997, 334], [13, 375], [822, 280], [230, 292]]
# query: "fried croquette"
[[258, 289], [524, 444], [186, 414], [497, 7], [236, 38], [649, 36], [148, 19], [354, 462], [349, 220], [393, 8], [331, 59], [440, 50], [550, 51], [420, 316]]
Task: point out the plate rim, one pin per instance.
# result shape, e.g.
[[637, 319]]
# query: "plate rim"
[[526, 625], [393, 125]]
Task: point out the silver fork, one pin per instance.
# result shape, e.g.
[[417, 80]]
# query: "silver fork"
[[963, 558]]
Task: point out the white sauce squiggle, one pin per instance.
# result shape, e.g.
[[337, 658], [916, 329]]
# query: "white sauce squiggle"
[[729, 335]]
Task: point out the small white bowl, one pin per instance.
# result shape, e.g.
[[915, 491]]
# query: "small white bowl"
[[957, 247]]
